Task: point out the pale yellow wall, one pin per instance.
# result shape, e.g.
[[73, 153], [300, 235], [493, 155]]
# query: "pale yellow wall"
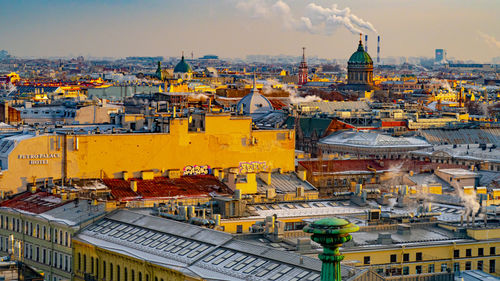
[[437, 255], [224, 144], [123, 261]]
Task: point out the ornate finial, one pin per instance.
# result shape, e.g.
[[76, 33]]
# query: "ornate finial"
[[182, 55], [303, 53]]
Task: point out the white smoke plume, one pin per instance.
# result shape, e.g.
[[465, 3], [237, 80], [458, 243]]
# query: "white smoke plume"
[[316, 20], [443, 83], [294, 97], [200, 97], [490, 40], [470, 202]]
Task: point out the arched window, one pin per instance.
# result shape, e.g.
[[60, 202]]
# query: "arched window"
[[84, 263], [133, 275], [92, 265], [118, 273], [103, 270], [66, 239], [60, 237], [140, 276], [125, 274], [111, 271], [79, 261]]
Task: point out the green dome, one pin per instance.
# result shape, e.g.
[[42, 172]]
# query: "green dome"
[[182, 67], [360, 56]]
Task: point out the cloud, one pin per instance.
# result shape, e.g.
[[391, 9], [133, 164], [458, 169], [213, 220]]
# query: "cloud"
[[490, 40], [316, 19]]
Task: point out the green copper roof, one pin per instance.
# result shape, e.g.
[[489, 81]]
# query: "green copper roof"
[[360, 56], [182, 66], [331, 226]]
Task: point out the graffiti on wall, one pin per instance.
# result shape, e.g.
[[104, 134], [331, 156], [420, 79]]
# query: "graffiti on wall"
[[252, 167], [192, 170]]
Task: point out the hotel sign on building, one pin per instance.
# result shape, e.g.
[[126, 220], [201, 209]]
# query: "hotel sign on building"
[[39, 159]]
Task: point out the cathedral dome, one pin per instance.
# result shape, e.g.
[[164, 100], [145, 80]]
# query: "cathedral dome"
[[360, 56], [182, 67]]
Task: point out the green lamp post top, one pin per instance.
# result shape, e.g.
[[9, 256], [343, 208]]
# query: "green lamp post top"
[[331, 226]]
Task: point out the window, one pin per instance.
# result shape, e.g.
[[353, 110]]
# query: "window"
[[406, 270], [444, 266], [492, 266], [140, 276], [418, 257], [118, 272], [394, 258], [406, 257], [492, 251], [37, 254], [84, 263], [468, 252], [430, 269], [418, 269], [111, 271], [66, 263], [366, 260], [456, 267], [92, 265], [480, 252], [103, 270], [456, 253], [97, 267], [60, 237], [147, 277], [79, 259], [125, 274], [44, 254], [66, 239], [133, 275], [479, 265], [37, 230], [468, 265], [44, 229]]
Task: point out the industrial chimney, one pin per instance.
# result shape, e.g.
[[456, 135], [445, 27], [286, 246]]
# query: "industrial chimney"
[[366, 43], [378, 49]]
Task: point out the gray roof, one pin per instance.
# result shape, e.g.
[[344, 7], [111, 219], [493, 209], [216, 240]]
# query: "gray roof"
[[463, 151], [332, 106], [462, 136], [284, 183], [196, 251], [372, 139], [476, 275]]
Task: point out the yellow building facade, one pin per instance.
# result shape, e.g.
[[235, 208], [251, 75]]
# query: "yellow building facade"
[[421, 258], [102, 264], [225, 142]]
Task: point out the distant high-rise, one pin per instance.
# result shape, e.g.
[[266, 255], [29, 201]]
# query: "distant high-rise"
[[440, 56], [303, 68]]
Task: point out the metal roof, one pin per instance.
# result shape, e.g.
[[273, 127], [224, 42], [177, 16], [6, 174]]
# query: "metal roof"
[[372, 140], [162, 187], [196, 251]]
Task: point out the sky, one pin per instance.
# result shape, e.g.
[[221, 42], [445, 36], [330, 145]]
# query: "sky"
[[468, 30]]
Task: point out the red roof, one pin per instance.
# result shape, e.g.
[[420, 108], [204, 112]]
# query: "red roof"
[[161, 187], [37, 203], [367, 165]]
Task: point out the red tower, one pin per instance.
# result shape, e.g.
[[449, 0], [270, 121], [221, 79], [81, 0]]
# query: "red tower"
[[303, 68]]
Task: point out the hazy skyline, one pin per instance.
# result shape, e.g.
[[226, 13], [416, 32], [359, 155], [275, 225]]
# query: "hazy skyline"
[[468, 30]]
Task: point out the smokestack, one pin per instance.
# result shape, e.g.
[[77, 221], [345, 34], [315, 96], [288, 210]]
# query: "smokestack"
[[366, 43], [378, 49]]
